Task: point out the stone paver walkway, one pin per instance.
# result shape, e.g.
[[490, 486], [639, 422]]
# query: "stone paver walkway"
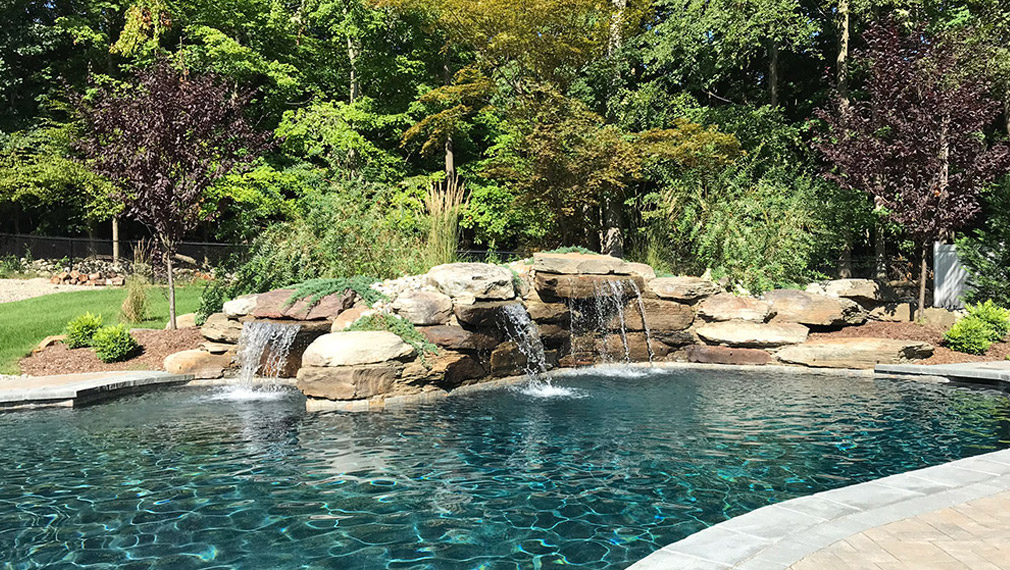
[[970, 536]]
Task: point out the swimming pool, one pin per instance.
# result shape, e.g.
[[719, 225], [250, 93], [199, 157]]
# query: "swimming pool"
[[627, 462]]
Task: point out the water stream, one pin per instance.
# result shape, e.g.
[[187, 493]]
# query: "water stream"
[[263, 349], [520, 329]]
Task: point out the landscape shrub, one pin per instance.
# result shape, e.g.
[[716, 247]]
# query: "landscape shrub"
[[970, 335], [995, 317], [81, 330], [135, 306], [114, 343]]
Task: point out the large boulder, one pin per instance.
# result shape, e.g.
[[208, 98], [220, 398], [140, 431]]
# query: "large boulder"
[[865, 291], [186, 321], [684, 289], [729, 307], [198, 363], [551, 286], [240, 306], [220, 328], [447, 370], [548, 312], [480, 281], [635, 346], [892, 313], [277, 304], [580, 264], [812, 309], [854, 352], [458, 338], [347, 382], [659, 316], [508, 360], [483, 314], [354, 348], [751, 334], [423, 307], [724, 355]]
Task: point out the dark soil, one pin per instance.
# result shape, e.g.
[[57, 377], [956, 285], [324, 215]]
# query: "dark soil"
[[925, 333], [155, 346]]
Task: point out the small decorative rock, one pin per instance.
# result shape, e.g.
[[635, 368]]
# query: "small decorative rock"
[[347, 318]]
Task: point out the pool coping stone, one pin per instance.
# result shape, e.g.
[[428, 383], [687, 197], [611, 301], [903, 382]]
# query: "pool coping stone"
[[71, 390], [777, 536]]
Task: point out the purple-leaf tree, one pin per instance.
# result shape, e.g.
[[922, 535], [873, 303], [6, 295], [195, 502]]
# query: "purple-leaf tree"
[[163, 141], [916, 141]]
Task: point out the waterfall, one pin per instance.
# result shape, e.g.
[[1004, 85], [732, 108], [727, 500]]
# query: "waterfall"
[[645, 324], [261, 338], [520, 329], [605, 314]]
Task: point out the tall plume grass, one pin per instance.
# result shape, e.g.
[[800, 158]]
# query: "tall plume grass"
[[444, 201]]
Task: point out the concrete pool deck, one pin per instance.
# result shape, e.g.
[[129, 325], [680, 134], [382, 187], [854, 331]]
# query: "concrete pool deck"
[[70, 390], [878, 525], [996, 373]]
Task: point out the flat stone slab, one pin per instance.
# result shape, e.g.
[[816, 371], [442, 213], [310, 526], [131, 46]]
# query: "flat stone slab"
[[583, 264], [781, 535], [854, 352], [996, 372], [69, 390]]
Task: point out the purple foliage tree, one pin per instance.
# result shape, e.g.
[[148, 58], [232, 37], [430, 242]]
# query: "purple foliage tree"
[[163, 141], [916, 141]]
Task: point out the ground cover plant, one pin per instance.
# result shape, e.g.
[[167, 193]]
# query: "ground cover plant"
[[25, 323]]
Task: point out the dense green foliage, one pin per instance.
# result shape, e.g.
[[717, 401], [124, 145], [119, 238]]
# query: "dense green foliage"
[[985, 253], [314, 290], [984, 324], [674, 132], [398, 326], [114, 343], [81, 330]]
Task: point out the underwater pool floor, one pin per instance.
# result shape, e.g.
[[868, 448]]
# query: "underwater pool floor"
[[599, 474]]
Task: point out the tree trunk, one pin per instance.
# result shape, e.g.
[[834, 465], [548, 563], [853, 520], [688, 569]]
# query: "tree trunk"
[[352, 56], [450, 157], [923, 271], [879, 251], [115, 239], [1006, 112], [612, 237], [171, 290], [842, 62], [845, 261], [773, 72]]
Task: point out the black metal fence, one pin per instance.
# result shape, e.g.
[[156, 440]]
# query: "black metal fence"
[[71, 249]]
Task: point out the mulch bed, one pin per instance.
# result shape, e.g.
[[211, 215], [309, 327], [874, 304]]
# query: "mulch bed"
[[912, 331], [155, 346]]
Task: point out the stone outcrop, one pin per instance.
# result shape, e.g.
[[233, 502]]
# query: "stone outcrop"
[[582, 264], [220, 328], [458, 338], [548, 312], [486, 314], [683, 289], [423, 307], [198, 363], [446, 370], [659, 316], [751, 334], [552, 286], [854, 352], [277, 305], [347, 382], [892, 313], [724, 355], [729, 307], [478, 281], [240, 306], [634, 346], [860, 290], [812, 309], [353, 348]]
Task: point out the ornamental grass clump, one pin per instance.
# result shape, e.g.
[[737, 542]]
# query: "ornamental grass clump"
[[81, 330], [114, 343]]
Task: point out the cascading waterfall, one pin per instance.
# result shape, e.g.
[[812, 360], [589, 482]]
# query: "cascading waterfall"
[[607, 313], [261, 338], [645, 324], [520, 329]]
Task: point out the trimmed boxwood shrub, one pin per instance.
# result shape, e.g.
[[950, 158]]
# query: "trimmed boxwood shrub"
[[81, 330], [114, 343], [970, 335], [995, 317]]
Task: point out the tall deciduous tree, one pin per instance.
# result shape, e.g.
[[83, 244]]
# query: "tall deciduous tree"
[[916, 142], [164, 141]]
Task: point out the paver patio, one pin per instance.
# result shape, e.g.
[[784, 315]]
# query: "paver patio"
[[974, 536]]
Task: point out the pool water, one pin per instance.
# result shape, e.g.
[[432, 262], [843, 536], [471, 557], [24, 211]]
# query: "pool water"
[[595, 477]]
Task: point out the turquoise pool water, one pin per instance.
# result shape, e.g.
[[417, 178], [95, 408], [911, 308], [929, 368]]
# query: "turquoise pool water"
[[190, 478]]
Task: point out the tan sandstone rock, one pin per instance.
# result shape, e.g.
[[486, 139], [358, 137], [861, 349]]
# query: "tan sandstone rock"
[[480, 281], [751, 334], [685, 289], [854, 352], [220, 328], [239, 306], [580, 264], [198, 363], [729, 307], [354, 348], [551, 286], [812, 309], [423, 307], [347, 382], [724, 355]]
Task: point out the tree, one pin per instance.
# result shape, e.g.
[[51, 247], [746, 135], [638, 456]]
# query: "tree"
[[164, 141], [916, 143]]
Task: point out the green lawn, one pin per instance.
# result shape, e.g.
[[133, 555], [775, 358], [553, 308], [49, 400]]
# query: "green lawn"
[[23, 324]]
